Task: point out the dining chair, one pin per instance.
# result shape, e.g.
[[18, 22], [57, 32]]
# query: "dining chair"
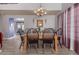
[[21, 32], [59, 33], [48, 36], [32, 36], [1, 38]]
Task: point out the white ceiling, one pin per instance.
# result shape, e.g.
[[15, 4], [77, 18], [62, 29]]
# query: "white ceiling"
[[27, 8], [30, 6]]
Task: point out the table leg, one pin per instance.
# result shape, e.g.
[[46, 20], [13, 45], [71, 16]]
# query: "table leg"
[[25, 43], [56, 42]]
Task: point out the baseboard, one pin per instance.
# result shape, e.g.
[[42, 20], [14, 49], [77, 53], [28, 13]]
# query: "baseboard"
[[71, 49], [9, 38]]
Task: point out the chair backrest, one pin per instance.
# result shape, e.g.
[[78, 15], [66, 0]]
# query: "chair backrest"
[[48, 33], [1, 37], [32, 34], [59, 31], [20, 31]]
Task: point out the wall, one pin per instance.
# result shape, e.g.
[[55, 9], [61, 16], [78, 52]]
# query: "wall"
[[0, 24], [28, 21], [5, 25], [66, 5]]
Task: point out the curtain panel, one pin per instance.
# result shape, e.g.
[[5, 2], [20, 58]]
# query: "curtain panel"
[[68, 27], [76, 26]]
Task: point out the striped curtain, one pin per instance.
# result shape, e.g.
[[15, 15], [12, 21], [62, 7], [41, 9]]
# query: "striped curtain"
[[62, 26], [68, 27], [64, 29], [76, 26]]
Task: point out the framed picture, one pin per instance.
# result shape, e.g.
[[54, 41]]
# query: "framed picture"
[[39, 23]]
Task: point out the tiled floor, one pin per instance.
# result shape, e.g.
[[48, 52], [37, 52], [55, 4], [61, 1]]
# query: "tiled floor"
[[11, 47]]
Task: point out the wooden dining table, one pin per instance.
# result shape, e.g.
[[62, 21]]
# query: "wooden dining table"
[[25, 47]]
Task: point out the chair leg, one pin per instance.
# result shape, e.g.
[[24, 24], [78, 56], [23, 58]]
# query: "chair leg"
[[50, 45], [37, 45], [20, 45], [60, 44], [30, 45], [1, 45], [43, 45]]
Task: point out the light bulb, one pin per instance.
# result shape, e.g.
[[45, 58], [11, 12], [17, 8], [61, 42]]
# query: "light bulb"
[[45, 13], [41, 8], [40, 24], [38, 9]]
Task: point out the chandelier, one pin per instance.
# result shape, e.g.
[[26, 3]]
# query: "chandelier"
[[40, 11]]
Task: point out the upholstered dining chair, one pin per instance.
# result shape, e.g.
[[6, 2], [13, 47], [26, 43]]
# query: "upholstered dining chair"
[[21, 32], [1, 38], [59, 33], [48, 34], [32, 36]]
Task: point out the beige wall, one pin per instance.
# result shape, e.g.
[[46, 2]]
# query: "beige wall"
[[0, 24], [28, 20], [66, 5]]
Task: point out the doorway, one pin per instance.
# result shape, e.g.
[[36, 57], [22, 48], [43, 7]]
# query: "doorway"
[[20, 24]]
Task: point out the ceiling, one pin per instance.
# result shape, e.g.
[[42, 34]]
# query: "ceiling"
[[27, 8]]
